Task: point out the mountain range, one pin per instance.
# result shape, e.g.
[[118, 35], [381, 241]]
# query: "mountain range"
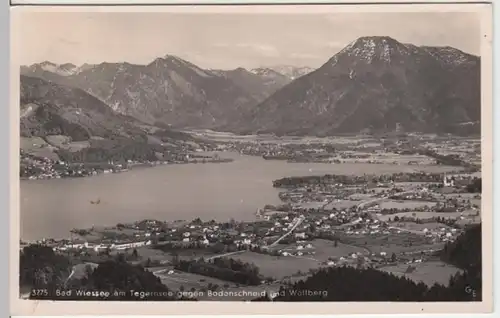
[[374, 84], [169, 90], [48, 108]]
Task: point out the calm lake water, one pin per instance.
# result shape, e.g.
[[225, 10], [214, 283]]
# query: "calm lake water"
[[51, 208]]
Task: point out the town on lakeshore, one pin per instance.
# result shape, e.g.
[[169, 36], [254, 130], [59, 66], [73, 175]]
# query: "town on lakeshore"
[[393, 222]]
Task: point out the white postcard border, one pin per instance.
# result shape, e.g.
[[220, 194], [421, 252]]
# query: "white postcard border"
[[30, 307]]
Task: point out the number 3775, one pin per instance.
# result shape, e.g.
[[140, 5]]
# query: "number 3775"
[[39, 292]]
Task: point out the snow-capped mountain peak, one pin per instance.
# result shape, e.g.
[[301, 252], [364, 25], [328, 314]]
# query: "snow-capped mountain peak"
[[289, 71], [369, 48], [66, 69]]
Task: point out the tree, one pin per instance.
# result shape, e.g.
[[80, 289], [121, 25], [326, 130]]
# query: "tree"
[[197, 221], [312, 228], [343, 284], [88, 270], [41, 267], [393, 257], [175, 258], [120, 258], [114, 276], [360, 262]]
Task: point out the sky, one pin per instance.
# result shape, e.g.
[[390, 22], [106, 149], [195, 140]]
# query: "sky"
[[228, 41]]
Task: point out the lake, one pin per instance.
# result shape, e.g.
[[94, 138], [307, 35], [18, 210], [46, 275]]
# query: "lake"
[[51, 208]]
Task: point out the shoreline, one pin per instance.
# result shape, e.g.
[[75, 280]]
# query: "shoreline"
[[252, 215], [129, 167], [229, 160]]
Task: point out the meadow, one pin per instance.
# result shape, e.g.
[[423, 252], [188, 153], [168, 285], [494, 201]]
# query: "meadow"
[[427, 272], [278, 267]]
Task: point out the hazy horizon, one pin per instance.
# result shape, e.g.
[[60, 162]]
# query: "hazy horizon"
[[229, 41]]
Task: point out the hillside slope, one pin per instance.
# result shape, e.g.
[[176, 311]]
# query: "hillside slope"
[[259, 83], [169, 90], [51, 109], [375, 84]]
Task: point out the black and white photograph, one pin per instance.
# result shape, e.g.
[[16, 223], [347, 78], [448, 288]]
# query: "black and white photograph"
[[248, 154]]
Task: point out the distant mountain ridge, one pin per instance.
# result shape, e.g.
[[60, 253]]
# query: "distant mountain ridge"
[[290, 71], [168, 90], [373, 84], [51, 109], [259, 84], [376, 84]]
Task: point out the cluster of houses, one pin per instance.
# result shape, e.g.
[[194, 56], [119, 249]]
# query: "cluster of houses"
[[101, 247], [36, 168], [257, 234], [468, 150]]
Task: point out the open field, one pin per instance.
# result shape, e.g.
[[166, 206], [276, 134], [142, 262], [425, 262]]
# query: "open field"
[[463, 196], [392, 158], [188, 281], [390, 243], [278, 266], [426, 215], [420, 227], [38, 147], [405, 204], [390, 248], [98, 233], [360, 168], [323, 249], [409, 184], [378, 190], [182, 254], [476, 202], [326, 249], [312, 205], [428, 272], [341, 204], [32, 143], [146, 252], [360, 196], [468, 221]]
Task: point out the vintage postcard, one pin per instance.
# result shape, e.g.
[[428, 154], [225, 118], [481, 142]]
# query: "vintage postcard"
[[251, 159]]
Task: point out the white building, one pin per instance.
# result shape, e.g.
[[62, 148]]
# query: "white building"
[[448, 182], [300, 235]]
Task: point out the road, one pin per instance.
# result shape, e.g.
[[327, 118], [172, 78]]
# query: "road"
[[363, 204], [225, 254], [297, 223], [373, 215], [407, 230], [70, 276]]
